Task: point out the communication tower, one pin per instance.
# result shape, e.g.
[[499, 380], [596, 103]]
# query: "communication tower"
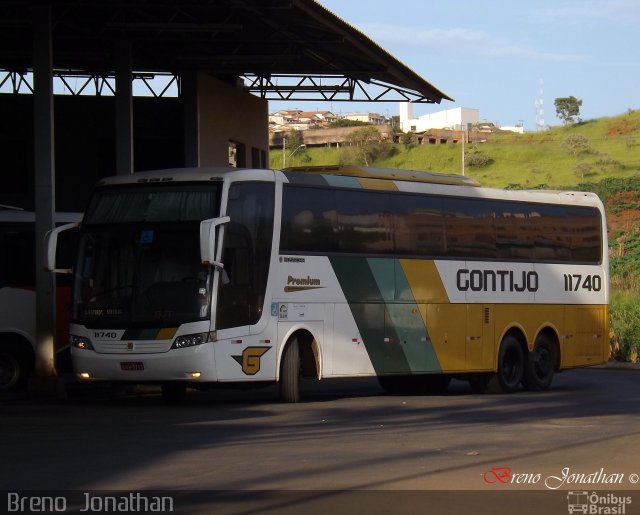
[[539, 103]]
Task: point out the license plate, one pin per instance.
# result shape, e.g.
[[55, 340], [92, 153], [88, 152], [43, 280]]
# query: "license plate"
[[132, 365]]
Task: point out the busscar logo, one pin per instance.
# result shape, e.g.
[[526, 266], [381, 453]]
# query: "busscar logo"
[[302, 284], [292, 259]]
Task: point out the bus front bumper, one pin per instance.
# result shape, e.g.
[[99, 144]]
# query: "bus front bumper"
[[193, 364]]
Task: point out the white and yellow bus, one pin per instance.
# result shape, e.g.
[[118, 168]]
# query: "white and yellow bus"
[[201, 276]]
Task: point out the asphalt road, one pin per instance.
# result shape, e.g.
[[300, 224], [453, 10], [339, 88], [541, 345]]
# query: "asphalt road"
[[582, 434]]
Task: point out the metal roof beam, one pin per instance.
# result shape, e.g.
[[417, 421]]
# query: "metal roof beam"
[[342, 90]]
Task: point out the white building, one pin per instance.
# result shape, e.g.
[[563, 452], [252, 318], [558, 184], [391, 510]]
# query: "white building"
[[515, 128], [460, 118], [372, 118]]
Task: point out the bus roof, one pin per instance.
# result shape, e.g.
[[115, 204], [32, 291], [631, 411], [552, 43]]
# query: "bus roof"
[[168, 175], [391, 174], [211, 173], [419, 181]]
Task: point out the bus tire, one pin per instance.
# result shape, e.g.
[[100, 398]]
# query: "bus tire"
[[16, 365], [539, 365], [510, 371], [290, 373], [174, 393]]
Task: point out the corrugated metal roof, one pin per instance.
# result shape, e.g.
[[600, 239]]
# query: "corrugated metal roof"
[[284, 49]]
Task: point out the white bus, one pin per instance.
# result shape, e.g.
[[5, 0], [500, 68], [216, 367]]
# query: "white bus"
[[18, 297], [201, 276]]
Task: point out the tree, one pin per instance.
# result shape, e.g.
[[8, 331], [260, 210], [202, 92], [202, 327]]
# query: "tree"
[[582, 170], [294, 140], [577, 144], [344, 122], [567, 108], [407, 139], [477, 158], [365, 145]]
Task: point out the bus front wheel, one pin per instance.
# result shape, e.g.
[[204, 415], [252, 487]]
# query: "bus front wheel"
[[290, 373], [510, 367]]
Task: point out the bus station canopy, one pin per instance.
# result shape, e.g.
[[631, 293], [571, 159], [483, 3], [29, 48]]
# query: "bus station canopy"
[[281, 49]]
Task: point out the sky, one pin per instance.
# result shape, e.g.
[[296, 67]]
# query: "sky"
[[492, 55]]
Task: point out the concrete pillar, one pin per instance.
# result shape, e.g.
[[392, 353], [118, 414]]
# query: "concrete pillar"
[[189, 93], [124, 109], [44, 165]]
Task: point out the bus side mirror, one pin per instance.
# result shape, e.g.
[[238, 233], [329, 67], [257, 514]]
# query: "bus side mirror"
[[51, 246], [208, 240]]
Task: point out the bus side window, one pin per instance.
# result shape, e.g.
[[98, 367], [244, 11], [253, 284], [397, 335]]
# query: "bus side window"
[[246, 254]]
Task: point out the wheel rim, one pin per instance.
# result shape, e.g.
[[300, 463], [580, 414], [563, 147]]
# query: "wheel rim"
[[9, 371], [542, 362], [511, 368]]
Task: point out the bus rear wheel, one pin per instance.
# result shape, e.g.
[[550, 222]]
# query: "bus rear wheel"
[[539, 365], [290, 373], [510, 367], [15, 366]]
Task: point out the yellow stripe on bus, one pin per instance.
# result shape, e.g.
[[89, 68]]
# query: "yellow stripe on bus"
[[377, 184], [425, 282], [166, 333]]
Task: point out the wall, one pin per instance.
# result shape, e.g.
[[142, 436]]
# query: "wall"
[[457, 119], [230, 114], [336, 135], [85, 138]]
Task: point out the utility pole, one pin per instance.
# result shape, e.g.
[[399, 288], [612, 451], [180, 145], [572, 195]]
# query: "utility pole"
[[464, 137], [284, 151]]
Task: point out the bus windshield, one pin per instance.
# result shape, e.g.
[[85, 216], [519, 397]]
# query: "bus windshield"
[[139, 258]]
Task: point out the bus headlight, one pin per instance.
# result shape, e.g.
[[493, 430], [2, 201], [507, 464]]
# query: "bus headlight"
[[80, 342], [189, 340]]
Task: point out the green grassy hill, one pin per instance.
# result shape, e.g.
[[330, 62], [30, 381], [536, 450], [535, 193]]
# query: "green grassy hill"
[[601, 155], [610, 148]]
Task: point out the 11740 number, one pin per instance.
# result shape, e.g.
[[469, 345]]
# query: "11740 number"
[[575, 282]]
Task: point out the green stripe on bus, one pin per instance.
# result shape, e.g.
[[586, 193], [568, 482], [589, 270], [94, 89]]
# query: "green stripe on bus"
[[140, 334], [338, 181], [386, 314], [370, 313], [404, 315]]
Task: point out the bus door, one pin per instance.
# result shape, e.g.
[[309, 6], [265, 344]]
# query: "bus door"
[[246, 254]]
